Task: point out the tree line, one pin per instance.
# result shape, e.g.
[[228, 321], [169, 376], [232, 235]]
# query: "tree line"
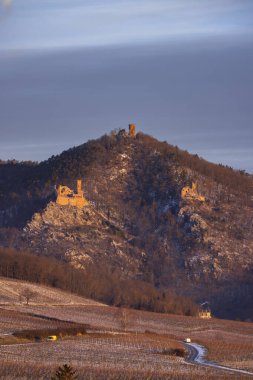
[[96, 282]]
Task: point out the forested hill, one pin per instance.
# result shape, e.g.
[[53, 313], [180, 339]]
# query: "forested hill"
[[137, 222]]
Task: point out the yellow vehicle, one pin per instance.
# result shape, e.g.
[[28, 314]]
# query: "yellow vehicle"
[[52, 338]]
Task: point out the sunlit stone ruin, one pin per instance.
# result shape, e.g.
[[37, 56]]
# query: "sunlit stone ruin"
[[191, 193], [66, 196], [122, 133]]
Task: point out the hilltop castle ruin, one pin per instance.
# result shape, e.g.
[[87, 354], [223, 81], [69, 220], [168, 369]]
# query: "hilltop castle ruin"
[[122, 133], [66, 196]]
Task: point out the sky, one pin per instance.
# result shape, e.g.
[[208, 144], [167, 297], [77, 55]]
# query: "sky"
[[181, 70]]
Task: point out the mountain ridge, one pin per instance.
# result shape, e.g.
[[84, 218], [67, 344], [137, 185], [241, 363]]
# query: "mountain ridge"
[[138, 222]]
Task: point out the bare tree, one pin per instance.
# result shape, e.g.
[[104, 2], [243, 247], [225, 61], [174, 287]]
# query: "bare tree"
[[27, 294]]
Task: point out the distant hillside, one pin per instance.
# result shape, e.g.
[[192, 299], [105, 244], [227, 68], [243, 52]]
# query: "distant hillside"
[[11, 292], [137, 223], [94, 281]]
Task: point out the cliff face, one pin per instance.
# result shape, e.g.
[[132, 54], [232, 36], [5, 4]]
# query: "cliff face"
[[80, 236], [137, 219]]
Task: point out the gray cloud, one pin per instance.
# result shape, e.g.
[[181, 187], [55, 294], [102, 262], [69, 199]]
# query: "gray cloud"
[[198, 96], [101, 23]]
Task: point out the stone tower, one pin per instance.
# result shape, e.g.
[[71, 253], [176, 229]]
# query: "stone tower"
[[79, 187], [132, 130]]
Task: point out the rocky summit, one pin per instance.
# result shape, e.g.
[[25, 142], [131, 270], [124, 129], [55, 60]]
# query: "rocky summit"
[[153, 211]]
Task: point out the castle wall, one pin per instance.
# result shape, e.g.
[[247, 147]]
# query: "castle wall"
[[66, 196], [191, 193]]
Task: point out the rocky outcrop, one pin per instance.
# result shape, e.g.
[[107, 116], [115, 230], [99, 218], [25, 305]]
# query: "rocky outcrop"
[[80, 236], [193, 224]]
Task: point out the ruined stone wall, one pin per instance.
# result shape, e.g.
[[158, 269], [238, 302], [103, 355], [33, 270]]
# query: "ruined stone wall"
[[191, 193], [66, 196]]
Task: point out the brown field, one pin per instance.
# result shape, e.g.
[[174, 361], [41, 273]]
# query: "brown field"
[[127, 356], [119, 344]]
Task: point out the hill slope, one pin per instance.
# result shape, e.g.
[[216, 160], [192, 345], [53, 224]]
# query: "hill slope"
[[11, 291], [137, 221]]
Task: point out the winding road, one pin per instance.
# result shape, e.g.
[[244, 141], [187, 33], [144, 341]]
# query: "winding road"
[[196, 355]]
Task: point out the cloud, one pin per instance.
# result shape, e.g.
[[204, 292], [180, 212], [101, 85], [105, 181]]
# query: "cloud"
[[190, 95], [101, 23]]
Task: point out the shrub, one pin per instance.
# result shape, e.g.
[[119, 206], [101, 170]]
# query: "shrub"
[[65, 372]]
